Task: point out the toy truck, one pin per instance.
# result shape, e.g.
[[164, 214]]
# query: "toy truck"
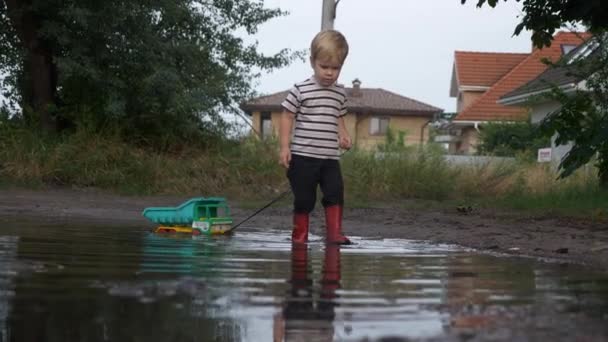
[[199, 215]]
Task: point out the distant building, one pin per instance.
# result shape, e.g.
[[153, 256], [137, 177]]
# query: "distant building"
[[480, 79], [530, 95], [371, 112]]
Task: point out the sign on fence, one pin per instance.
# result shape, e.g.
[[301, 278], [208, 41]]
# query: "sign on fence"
[[544, 155]]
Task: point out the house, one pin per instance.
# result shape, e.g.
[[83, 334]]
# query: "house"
[[532, 95], [479, 79], [371, 112]]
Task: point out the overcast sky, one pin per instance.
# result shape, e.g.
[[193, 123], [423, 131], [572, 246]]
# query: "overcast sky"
[[406, 46]]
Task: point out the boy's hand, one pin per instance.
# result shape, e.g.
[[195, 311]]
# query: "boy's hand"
[[345, 142], [285, 157]]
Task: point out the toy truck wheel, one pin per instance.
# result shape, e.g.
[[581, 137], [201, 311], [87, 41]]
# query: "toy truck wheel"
[[166, 230]]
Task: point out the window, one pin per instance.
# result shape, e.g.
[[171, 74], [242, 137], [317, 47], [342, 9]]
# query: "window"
[[265, 125], [459, 102], [378, 126], [566, 48]]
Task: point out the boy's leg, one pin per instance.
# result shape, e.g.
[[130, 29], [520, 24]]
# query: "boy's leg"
[[332, 187], [303, 174]]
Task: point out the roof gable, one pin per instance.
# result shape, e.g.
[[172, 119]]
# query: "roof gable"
[[566, 75], [481, 69], [486, 108]]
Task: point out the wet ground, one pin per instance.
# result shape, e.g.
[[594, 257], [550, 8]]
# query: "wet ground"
[[94, 283], [542, 236], [81, 266]]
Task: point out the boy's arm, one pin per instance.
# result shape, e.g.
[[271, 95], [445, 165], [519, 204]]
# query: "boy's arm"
[[343, 137], [285, 137]]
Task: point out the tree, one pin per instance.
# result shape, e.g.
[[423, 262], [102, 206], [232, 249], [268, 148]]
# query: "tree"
[[583, 116], [151, 67], [510, 139], [544, 17]]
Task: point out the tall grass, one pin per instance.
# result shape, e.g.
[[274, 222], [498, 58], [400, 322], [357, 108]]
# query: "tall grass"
[[539, 190], [84, 159], [248, 170], [389, 176]]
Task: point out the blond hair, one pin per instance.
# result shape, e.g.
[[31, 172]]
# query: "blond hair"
[[329, 45]]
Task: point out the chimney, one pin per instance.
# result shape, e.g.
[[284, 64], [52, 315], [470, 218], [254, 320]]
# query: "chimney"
[[356, 92]]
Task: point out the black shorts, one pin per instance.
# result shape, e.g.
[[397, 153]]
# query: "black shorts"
[[306, 173]]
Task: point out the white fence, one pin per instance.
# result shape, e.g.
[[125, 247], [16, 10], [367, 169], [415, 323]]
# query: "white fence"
[[476, 160]]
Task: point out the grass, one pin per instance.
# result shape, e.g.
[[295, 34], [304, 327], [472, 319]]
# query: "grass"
[[410, 174], [247, 171], [578, 195], [88, 160]]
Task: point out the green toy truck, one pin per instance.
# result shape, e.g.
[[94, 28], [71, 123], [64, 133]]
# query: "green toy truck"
[[199, 215]]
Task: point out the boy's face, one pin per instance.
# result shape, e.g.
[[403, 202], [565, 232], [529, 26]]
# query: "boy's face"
[[326, 71]]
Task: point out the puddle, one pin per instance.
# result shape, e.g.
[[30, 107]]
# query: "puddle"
[[108, 284]]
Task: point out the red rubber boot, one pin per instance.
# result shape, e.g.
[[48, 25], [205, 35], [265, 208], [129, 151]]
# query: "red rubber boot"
[[331, 272], [300, 228], [333, 222], [330, 283]]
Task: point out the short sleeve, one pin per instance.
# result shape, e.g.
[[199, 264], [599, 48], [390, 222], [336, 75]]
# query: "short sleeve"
[[343, 110], [292, 100]]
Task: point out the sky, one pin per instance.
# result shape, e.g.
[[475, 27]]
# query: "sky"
[[404, 46]]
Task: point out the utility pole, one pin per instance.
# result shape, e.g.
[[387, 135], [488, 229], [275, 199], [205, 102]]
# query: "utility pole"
[[328, 14]]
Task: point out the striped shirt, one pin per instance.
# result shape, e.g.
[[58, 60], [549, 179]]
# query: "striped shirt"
[[317, 109]]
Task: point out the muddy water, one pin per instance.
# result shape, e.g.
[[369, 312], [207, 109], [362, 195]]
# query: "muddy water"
[[101, 284]]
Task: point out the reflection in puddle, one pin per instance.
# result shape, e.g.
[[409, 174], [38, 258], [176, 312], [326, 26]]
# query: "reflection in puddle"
[[107, 284], [8, 271]]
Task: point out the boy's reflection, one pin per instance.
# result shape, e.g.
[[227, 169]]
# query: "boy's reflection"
[[309, 316]]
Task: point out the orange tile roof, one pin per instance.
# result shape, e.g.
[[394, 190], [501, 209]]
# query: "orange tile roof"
[[484, 68], [486, 108]]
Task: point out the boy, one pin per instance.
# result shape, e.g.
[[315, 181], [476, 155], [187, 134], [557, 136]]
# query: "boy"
[[318, 106]]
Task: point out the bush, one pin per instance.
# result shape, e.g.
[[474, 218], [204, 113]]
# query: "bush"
[[511, 140]]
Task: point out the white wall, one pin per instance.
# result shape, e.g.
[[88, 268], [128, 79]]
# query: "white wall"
[[538, 112]]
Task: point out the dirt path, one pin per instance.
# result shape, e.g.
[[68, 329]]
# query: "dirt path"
[[562, 239]]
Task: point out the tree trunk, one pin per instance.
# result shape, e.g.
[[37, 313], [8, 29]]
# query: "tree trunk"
[[603, 180], [42, 86], [602, 170], [40, 81]]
